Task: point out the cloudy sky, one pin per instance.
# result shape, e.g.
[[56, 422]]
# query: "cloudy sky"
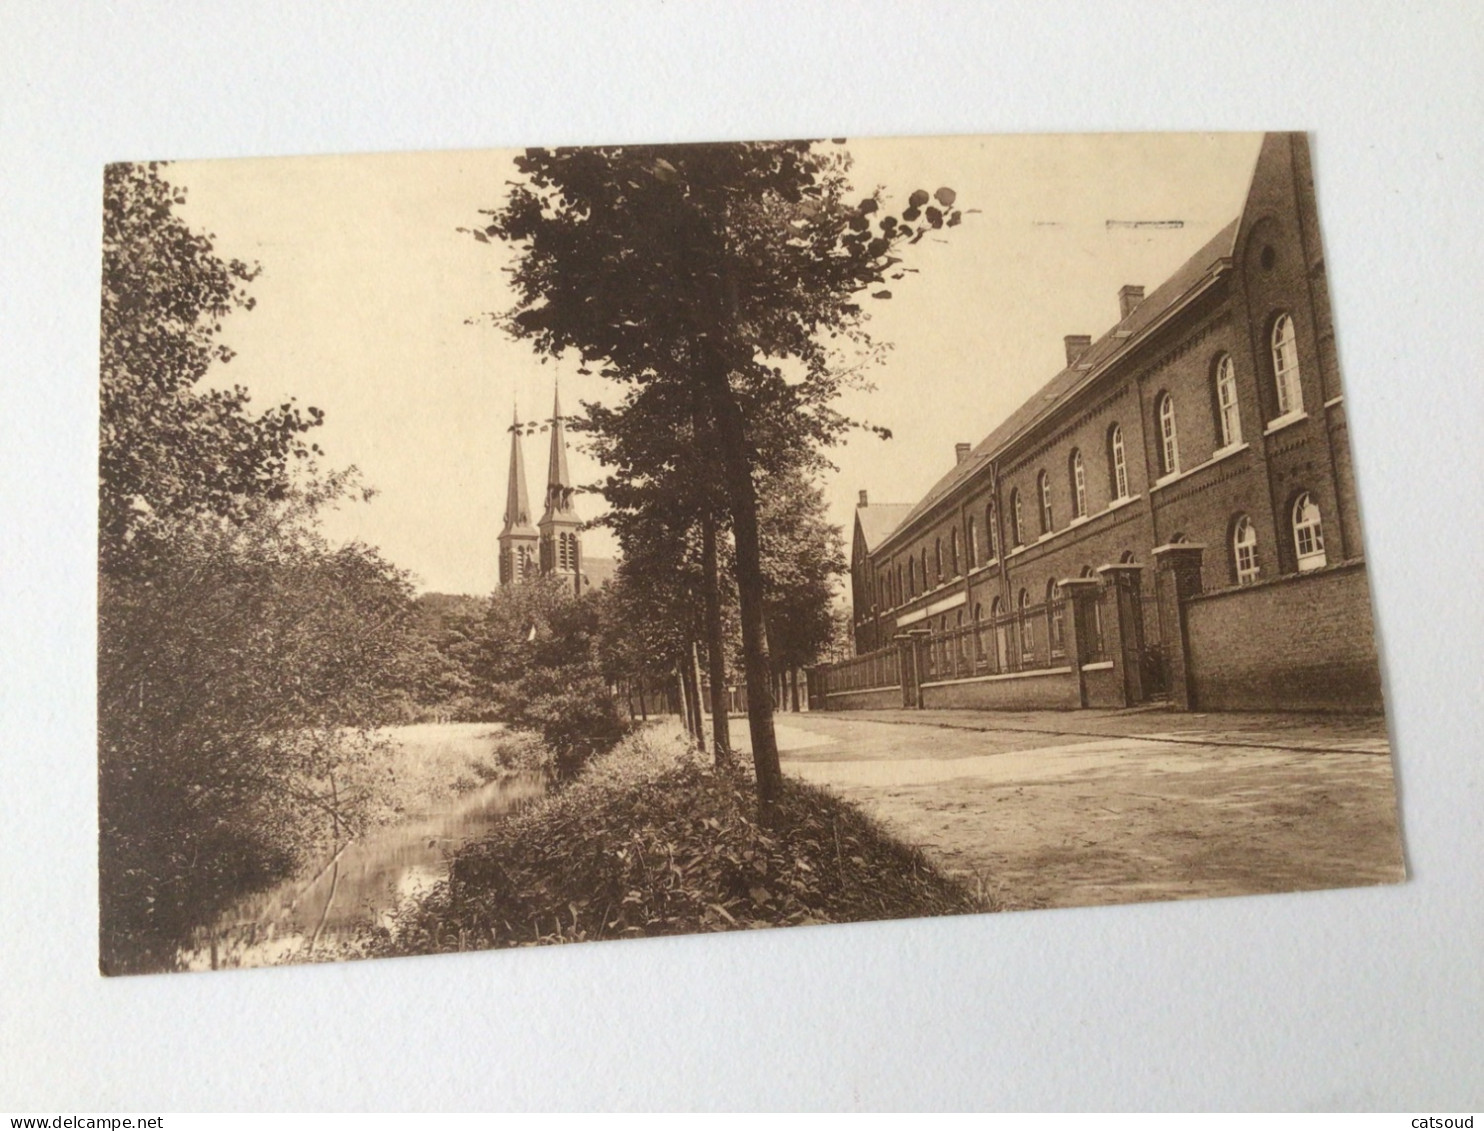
[[367, 293]]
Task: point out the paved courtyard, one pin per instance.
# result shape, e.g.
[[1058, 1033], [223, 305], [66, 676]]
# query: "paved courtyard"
[[1060, 809]]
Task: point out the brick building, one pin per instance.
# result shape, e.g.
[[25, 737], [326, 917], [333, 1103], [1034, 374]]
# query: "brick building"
[[1174, 512]]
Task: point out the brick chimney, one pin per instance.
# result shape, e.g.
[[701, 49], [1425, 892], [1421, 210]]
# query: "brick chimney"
[[1128, 297], [863, 499], [961, 452], [1077, 345]]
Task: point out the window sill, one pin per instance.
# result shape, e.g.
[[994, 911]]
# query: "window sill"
[[1284, 421], [1216, 457]]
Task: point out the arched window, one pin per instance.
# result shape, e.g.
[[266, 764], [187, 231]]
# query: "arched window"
[[1286, 366], [1078, 477], [1244, 550], [1169, 443], [911, 578], [1027, 627], [990, 550], [899, 584], [1017, 537], [1054, 625], [1126, 557], [938, 561], [1117, 466], [924, 570], [978, 632], [953, 550], [1043, 488], [1308, 533], [1228, 417], [971, 545]]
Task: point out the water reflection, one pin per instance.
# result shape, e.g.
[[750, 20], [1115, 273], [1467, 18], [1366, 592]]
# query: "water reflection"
[[364, 884]]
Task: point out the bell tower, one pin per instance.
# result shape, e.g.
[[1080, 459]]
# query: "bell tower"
[[561, 549], [518, 538]]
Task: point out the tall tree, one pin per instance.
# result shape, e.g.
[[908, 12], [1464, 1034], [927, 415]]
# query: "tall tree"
[[167, 449], [733, 270]]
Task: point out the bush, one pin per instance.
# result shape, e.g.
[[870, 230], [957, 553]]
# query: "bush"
[[571, 708]]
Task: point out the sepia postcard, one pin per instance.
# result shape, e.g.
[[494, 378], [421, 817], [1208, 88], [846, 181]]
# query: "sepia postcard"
[[511, 547]]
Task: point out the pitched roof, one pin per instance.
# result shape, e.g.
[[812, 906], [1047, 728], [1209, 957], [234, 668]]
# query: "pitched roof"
[[877, 520], [598, 571], [1050, 397]]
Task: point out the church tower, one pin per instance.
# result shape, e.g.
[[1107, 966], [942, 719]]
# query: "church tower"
[[561, 551], [518, 539]]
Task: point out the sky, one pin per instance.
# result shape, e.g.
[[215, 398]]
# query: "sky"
[[370, 303]]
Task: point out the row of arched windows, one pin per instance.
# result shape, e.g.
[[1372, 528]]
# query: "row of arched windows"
[[1288, 398], [1307, 527]]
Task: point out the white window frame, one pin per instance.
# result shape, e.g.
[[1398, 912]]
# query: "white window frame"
[[1169, 439], [1308, 533], [1043, 488], [1120, 464], [1244, 551], [1079, 485], [1017, 524], [1226, 402], [1284, 343], [971, 545]]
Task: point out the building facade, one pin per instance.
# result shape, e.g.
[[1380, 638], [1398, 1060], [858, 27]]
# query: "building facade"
[[1197, 448]]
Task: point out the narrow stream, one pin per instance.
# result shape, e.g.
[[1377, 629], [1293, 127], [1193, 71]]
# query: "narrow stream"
[[363, 885]]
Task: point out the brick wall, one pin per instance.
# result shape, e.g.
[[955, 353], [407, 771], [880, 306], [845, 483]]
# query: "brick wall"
[[1302, 642], [877, 699]]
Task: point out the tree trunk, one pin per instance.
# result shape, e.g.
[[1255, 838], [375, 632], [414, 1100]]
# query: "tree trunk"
[[793, 678], [693, 678], [742, 495], [716, 660], [643, 706]]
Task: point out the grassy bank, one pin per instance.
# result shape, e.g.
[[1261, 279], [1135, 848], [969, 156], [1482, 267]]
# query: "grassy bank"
[[652, 840]]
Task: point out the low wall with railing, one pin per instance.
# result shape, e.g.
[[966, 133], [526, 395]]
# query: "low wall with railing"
[[872, 681]]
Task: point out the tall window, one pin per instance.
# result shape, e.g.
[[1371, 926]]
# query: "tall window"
[[1169, 443], [1226, 402], [1016, 537], [924, 570], [1001, 642], [1079, 485], [990, 550], [953, 550], [1244, 551], [1027, 627], [978, 632], [1286, 366], [1043, 488], [1308, 533], [911, 577], [1117, 467], [938, 561], [1055, 628], [971, 545], [899, 584]]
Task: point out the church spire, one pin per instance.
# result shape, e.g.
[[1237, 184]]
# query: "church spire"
[[558, 479], [517, 498]]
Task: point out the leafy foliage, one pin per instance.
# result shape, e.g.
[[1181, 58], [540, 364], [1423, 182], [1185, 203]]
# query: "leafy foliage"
[[652, 841], [238, 682], [242, 661], [168, 450]]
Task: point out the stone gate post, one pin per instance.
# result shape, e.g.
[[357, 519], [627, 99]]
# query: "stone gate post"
[[1123, 626], [1177, 579]]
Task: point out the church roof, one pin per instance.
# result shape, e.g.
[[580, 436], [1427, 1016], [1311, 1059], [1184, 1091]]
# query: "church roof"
[[598, 571], [877, 520], [1119, 339]]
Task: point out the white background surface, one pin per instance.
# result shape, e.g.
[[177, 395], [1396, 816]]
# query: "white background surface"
[[1349, 999]]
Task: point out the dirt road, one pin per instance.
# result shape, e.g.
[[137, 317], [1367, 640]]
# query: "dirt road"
[[1054, 809]]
